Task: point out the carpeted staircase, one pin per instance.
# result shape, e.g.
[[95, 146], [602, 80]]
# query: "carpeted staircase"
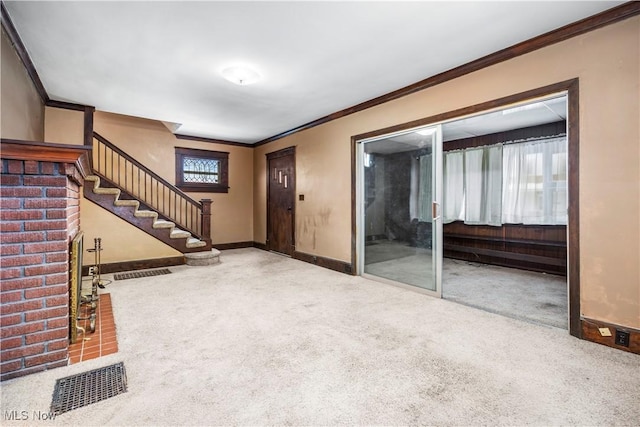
[[146, 220]]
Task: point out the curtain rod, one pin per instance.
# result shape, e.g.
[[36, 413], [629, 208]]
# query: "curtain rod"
[[515, 141]]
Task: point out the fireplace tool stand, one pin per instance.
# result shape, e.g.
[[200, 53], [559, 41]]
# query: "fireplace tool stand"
[[91, 300]]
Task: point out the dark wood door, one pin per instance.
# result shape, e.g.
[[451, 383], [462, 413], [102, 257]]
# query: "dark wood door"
[[281, 201]]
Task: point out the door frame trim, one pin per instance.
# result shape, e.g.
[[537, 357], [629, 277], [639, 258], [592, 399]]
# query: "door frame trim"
[[571, 87], [275, 155]]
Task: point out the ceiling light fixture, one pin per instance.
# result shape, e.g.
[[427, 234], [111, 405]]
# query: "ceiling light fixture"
[[240, 75]]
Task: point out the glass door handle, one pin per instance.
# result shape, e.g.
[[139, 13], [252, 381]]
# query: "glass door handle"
[[434, 210]]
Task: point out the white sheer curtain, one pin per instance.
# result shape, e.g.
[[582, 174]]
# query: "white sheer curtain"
[[483, 185], [534, 184], [453, 186], [425, 185]]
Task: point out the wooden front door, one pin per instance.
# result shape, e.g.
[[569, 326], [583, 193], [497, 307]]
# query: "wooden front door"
[[281, 201]]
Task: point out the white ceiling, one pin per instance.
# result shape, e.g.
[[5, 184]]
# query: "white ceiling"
[[161, 60]]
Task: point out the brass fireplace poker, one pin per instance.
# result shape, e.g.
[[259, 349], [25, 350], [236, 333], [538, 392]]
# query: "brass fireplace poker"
[[97, 248], [92, 299]]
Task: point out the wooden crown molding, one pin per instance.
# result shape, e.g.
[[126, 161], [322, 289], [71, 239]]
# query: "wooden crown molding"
[[14, 149], [22, 53], [14, 37], [473, 109], [608, 17], [211, 140], [281, 153], [69, 105]]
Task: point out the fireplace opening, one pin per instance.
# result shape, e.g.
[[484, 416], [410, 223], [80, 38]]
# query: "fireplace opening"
[[75, 284], [83, 307]]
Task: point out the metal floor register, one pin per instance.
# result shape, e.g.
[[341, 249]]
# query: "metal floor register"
[[138, 274], [80, 390]]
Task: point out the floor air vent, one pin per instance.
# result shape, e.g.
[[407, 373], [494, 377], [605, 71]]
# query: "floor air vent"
[[89, 387], [139, 274]]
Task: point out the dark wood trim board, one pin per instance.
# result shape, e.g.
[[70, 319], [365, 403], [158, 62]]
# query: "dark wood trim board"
[[143, 264], [22, 53], [331, 264], [261, 246], [573, 225], [88, 125], [234, 245], [590, 332], [66, 105], [573, 242], [211, 140], [611, 16]]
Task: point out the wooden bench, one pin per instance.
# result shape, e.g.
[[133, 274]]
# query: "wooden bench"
[[507, 252]]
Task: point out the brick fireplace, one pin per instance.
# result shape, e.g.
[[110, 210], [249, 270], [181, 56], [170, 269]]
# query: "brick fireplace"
[[39, 207]]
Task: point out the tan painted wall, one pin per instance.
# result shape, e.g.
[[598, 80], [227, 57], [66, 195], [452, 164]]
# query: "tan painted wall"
[[607, 62], [151, 143], [63, 126], [120, 240], [22, 109]]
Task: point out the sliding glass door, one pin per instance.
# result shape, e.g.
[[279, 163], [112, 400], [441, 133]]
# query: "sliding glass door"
[[400, 223]]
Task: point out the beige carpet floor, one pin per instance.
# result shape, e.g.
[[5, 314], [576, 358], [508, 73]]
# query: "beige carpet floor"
[[527, 295], [265, 340]]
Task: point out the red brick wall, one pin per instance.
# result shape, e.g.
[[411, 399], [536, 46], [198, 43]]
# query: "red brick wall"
[[73, 209], [39, 214]]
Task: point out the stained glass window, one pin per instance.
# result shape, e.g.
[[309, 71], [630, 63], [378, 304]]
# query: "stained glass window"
[[206, 171], [202, 170]]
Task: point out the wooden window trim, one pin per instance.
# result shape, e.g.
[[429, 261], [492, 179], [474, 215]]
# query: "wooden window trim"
[[221, 156]]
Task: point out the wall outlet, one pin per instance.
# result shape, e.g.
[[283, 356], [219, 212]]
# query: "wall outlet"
[[622, 338], [92, 271]]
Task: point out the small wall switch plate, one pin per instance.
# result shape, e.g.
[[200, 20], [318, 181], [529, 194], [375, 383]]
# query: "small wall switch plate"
[[605, 332], [301, 197]]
